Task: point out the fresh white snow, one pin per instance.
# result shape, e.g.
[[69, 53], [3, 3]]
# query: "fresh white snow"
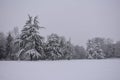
[[108, 69]]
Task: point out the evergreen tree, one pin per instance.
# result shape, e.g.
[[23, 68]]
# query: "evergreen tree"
[[94, 49], [2, 46], [58, 48], [9, 46], [52, 49], [2, 52], [30, 42]]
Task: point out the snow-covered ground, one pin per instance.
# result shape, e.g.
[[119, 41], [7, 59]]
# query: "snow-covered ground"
[[61, 70]]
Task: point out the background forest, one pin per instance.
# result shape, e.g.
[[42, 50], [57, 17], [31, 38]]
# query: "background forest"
[[30, 45]]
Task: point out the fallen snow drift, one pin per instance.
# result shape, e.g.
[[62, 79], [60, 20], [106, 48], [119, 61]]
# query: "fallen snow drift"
[[60, 70]]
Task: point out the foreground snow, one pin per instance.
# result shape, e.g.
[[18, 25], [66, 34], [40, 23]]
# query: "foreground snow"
[[60, 70]]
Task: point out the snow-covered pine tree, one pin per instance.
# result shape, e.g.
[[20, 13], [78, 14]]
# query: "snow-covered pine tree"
[[30, 42], [94, 49], [53, 50], [58, 48]]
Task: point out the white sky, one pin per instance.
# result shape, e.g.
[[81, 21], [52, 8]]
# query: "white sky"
[[78, 19]]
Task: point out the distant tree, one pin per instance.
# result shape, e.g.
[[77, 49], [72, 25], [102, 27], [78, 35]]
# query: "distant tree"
[[108, 41], [80, 52], [9, 46], [2, 46], [2, 52], [94, 48], [108, 48], [117, 49], [67, 48], [30, 41]]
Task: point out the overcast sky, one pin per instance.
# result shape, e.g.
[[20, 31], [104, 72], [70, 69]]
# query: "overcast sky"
[[79, 20]]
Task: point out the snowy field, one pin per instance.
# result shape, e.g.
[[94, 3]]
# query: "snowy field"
[[61, 70]]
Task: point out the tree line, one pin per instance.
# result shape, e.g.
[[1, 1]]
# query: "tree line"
[[30, 45]]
